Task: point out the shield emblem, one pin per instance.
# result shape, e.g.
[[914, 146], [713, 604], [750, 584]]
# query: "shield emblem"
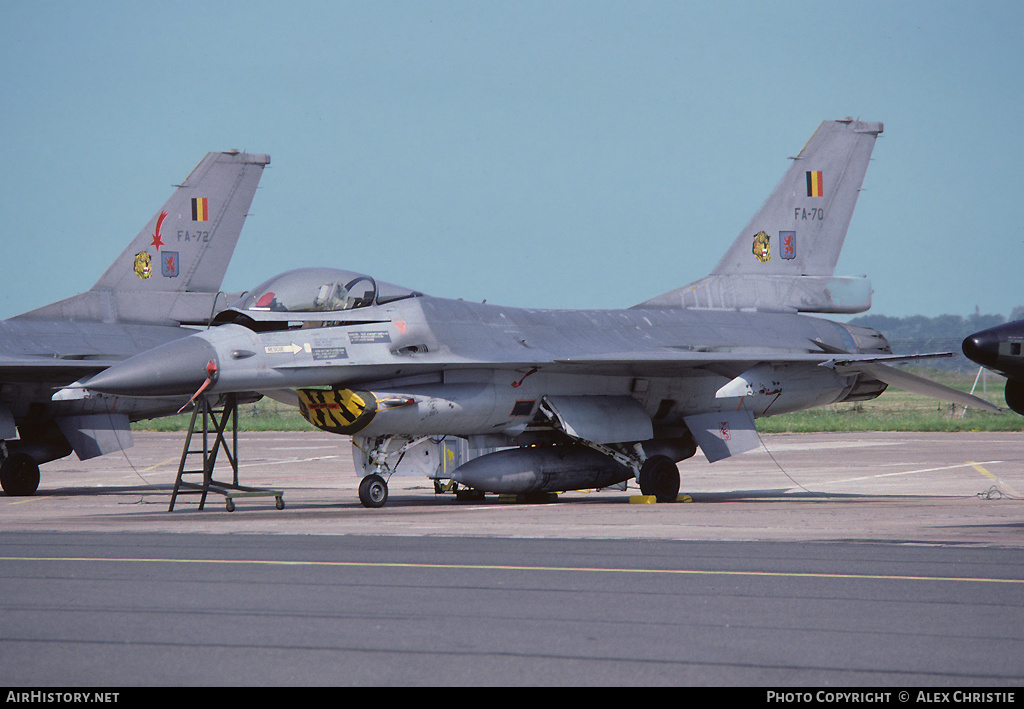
[[169, 264], [787, 244]]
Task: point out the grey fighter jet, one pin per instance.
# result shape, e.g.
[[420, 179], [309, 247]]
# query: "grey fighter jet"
[[167, 279], [513, 400]]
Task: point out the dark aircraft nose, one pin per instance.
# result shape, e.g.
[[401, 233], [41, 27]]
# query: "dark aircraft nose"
[[176, 368], [982, 348]]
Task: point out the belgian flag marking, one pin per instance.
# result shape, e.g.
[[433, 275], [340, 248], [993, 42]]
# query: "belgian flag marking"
[[200, 209], [814, 184]]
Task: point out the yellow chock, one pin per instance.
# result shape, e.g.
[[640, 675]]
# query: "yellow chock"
[[651, 499]]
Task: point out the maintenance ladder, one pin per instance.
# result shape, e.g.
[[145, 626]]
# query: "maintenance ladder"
[[213, 424]]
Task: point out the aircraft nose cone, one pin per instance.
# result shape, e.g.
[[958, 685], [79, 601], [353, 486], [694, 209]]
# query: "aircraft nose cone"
[[176, 368], [981, 348]]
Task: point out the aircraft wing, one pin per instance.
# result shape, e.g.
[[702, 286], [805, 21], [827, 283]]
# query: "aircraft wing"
[[677, 363], [877, 366]]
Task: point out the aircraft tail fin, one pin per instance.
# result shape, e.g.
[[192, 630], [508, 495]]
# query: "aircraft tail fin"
[[172, 271], [785, 258]]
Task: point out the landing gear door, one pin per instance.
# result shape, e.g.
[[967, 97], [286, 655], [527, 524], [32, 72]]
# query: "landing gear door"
[[430, 457], [7, 428]]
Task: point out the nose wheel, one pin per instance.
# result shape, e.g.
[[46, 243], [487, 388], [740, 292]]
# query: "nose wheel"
[[373, 491]]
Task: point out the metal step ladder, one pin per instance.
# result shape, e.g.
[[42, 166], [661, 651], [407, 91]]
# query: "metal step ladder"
[[212, 425]]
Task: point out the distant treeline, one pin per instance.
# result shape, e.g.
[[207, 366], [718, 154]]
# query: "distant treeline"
[[918, 334]]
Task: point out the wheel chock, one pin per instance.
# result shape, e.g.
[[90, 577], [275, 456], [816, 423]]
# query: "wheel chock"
[[652, 500]]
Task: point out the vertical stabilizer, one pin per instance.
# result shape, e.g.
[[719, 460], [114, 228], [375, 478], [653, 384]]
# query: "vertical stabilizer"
[[172, 271], [785, 258]]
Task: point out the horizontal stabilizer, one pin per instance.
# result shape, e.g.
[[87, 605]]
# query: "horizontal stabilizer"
[[879, 368], [918, 385]]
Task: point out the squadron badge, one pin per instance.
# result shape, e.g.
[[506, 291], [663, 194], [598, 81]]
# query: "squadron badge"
[[169, 264], [787, 243], [762, 247], [143, 265]]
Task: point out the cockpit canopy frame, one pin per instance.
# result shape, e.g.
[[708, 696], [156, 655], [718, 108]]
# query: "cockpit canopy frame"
[[319, 290], [311, 297]]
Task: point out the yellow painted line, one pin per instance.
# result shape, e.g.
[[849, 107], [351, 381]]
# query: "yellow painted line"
[[175, 459], [502, 567], [980, 469], [908, 472]]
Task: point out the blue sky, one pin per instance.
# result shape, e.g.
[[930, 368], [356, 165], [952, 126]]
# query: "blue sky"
[[541, 154]]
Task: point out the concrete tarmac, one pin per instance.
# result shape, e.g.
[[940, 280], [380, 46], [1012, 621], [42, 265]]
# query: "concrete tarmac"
[[941, 488], [872, 561]]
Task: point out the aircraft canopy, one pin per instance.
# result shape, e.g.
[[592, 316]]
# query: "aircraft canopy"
[[314, 290]]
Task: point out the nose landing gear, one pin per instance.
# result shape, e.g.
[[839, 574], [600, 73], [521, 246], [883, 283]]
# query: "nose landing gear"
[[373, 491]]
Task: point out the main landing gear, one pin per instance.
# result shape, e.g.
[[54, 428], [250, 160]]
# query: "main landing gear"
[[659, 477], [19, 475]]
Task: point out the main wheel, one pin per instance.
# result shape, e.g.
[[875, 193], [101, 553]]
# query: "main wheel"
[[659, 476], [19, 475], [373, 491]]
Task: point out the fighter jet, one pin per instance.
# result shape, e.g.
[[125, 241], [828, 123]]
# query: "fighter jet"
[[518, 401], [168, 279], [999, 349]]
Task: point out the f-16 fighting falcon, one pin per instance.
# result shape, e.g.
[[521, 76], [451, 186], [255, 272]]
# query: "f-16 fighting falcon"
[[168, 278], [512, 400]]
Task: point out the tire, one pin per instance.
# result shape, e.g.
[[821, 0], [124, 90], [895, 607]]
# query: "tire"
[[659, 477], [373, 491], [19, 475]]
